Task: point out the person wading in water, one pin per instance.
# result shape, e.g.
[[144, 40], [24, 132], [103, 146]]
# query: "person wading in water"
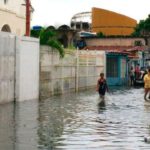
[[132, 74], [147, 84], [102, 87]]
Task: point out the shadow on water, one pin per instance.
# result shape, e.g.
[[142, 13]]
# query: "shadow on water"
[[101, 106]]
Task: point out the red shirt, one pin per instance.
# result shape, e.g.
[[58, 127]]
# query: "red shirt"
[[137, 69]]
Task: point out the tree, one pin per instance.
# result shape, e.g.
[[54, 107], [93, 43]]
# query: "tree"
[[100, 34], [143, 28], [49, 37], [35, 33], [147, 24]]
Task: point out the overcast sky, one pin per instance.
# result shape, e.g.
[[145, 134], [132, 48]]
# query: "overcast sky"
[[58, 12]]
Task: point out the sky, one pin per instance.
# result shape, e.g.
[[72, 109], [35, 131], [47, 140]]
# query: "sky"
[[59, 12]]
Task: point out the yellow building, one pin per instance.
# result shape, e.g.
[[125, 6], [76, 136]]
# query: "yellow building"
[[12, 16], [111, 23]]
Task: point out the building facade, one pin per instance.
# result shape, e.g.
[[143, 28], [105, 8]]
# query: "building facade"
[[12, 16], [117, 69], [111, 23], [81, 21], [103, 21]]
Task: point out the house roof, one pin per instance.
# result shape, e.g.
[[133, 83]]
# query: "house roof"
[[124, 50], [133, 56], [136, 48]]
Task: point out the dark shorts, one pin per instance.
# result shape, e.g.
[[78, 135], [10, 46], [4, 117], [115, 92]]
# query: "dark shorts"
[[132, 77], [102, 92]]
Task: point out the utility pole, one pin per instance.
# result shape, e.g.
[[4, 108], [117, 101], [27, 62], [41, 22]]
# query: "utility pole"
[[28, 5]]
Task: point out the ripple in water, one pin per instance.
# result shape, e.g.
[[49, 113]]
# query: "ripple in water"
[[121, 124], [77, 121]]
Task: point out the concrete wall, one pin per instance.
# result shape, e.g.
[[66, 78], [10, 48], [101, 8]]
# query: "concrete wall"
[[7, 66], [19, 68], [27, 70], [113, 41], [78, 70]]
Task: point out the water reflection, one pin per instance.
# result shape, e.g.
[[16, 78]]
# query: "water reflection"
[[26, 124], [7, 131], [18, 126], [101, 106], [77, 121], [51, 123]]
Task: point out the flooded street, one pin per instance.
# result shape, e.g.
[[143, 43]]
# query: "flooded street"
[[76, 121]]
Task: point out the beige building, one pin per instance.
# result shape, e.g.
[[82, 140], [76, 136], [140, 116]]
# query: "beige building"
[[12, 16]]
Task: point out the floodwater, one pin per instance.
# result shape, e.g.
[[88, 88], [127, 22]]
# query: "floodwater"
[[77, 122]]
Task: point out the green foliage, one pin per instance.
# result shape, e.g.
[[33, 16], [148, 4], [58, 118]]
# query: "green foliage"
[[138, 43], [138, 29], [45, 36], [147, 24], [35, 33], [48, 37], [56, 45], [71, 47], [100, 34], [143, 28]]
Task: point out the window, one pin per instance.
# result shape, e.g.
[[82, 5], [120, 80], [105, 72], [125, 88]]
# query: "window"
[[6, 28], [112, 67], [138, 43]]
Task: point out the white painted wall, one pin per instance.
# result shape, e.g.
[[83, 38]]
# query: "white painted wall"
[[7, 65], [27, 68], [19, 68]]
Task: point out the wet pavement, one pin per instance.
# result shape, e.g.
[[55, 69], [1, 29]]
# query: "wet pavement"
[[77, 122]]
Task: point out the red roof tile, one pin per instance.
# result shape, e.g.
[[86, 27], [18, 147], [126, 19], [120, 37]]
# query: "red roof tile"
[[126, 50]]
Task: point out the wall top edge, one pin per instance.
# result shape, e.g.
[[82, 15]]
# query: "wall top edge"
[[26, 38], [7, 33]]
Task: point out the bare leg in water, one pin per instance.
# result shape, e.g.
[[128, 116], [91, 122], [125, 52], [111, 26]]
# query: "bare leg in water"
[[102, 102], [149, 96], [102, 97], [145, 95]]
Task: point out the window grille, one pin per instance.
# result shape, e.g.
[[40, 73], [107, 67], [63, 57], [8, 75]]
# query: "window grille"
[[112, 67]]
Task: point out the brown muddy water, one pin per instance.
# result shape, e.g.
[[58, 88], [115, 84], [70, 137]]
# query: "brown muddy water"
[[77, 122]]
